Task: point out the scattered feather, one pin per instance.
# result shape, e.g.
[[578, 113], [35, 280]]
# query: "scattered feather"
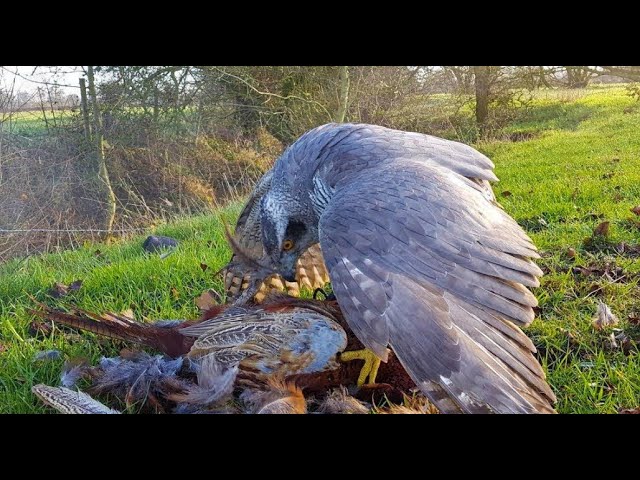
[[280, 397], [70, 401], [604, 317], [339, 401], [48, 355], [215, 383], [168, 323], [72, 371], [416, 404], [138, 377]]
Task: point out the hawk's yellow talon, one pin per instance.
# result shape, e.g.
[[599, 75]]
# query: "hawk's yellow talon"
[[369, 369]]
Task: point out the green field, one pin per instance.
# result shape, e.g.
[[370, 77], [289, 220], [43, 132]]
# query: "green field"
[[571, 162], [29, 124]]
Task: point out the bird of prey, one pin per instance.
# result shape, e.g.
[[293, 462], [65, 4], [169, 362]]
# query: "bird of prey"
[[420, 256], [240, 279]]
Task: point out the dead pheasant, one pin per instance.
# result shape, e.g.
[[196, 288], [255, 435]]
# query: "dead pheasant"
[[284, 337], [279, 337]]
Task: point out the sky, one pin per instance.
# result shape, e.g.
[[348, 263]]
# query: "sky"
[[28, 76]]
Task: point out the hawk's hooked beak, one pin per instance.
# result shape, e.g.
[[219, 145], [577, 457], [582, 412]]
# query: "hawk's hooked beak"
[[274, 228], [289, 275]]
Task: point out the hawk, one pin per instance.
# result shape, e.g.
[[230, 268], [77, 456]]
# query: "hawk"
[[420, 256]]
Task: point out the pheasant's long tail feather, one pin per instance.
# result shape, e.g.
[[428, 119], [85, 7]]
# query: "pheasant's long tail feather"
[[112, 326], [167, 340]]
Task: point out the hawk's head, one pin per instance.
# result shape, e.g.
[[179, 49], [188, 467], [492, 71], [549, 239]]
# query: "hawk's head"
[[288, 230]]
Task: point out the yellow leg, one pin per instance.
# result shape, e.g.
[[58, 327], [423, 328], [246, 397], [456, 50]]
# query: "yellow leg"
[[369, 369]]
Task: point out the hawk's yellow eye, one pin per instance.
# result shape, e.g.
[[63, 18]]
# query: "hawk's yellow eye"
[[287, 245]]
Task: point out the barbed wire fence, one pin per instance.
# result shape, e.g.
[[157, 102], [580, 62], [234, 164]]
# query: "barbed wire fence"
[[41, 165], [49, 202]]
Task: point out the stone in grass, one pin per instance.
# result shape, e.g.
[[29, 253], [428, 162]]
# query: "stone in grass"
[[155, 243]]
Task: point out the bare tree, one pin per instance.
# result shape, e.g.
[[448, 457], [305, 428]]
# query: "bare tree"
[[578, 76], [344, 94], [483, 94], [103, 172]]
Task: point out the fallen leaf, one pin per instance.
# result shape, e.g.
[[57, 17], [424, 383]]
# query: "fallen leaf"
[[208, 299], [571, 252], [506, 193], [625, 248], [634, 318], [58, 290], [40, 328], [204, 266], [626, 343], [632, 411], [128, 313], [636, 210], [604, 317], [602, 229]]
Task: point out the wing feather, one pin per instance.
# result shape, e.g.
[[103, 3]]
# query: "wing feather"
[[428, 263]]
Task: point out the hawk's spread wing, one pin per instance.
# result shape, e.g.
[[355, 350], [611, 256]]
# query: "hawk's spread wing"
[[422, 260]]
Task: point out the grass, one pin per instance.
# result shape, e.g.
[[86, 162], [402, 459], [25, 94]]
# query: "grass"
[[115, 277], [582, 169], [30, 124], [578, 165]]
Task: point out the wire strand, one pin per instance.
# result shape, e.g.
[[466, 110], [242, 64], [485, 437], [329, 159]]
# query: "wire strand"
[[75, 230]]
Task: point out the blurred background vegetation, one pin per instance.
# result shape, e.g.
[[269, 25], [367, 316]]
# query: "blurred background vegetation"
[[130, 147]]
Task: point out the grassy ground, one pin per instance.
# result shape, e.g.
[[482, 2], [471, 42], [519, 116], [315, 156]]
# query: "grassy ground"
[[576, 164]]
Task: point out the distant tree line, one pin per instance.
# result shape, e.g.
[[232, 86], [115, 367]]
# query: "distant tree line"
[[142, 142]]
